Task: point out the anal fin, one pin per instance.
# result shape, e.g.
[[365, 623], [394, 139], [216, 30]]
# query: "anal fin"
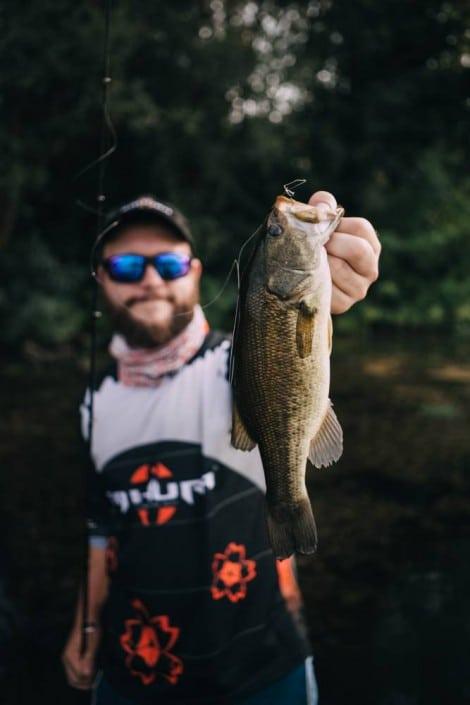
[[327, 446], [240, 439]]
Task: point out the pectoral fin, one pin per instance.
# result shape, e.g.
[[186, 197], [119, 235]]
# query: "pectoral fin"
[[305, 327], [241, 439], [327, 446]]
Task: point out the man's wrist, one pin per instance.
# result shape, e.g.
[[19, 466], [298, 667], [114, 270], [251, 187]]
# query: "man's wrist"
[[90, 626], [92, 621]]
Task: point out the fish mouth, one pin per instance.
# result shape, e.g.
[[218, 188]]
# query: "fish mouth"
[[296, 270], [307, 213]]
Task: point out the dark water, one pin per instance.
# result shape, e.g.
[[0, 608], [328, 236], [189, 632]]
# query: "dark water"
[[386, 595]]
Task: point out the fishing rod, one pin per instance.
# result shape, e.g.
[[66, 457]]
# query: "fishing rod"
[[105, 152]]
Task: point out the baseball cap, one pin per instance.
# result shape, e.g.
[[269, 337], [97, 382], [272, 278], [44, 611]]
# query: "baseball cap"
[[143, 210], [146, 209]]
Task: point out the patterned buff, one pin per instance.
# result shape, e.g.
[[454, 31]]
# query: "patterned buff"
[[141, 367]]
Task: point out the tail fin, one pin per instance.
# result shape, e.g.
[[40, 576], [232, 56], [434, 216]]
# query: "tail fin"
[[291, 528]]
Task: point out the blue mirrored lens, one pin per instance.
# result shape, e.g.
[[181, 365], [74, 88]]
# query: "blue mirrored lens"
[[126, 268], [171, 265], [130, 268]]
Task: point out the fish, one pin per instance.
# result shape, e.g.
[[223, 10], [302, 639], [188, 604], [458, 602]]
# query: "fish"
[[280, 366]]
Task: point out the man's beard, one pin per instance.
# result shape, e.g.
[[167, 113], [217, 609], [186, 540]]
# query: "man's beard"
[[139, 334]]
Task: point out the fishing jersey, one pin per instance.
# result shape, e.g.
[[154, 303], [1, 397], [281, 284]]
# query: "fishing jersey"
[[194, 612]]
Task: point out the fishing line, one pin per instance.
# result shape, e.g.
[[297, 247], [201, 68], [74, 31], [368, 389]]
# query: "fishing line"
[[84, 206], [107, 127], [231, 365], [107, 123], [221, 290], [235, 265]]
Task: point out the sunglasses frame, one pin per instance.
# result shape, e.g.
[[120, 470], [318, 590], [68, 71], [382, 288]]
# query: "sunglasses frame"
[[147, 260]]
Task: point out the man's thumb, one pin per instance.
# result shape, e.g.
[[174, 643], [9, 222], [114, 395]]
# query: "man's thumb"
[[323, 198]]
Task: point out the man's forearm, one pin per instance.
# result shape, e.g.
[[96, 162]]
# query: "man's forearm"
[[97, 586]]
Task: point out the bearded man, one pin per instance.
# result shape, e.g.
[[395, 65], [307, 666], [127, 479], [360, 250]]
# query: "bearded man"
[[185, 598]]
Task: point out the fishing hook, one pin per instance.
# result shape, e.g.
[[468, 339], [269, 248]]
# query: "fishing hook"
[[289, 188]]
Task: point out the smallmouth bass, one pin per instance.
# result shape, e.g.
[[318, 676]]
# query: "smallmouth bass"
[[281, 365]]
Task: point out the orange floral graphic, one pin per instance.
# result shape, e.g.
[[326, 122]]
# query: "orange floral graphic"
[[232, 571], [147, 642]]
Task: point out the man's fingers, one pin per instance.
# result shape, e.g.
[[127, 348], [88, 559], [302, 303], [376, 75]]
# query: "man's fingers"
[[79, 680], [346, 279], [74, 677], [357, 252], [361, 227], [340, 302], [79, 672], [323, 197], [353, 254], [70, 672]]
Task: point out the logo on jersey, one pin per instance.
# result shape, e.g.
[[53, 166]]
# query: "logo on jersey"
[[231, 573], [147, 642], [156, 495]]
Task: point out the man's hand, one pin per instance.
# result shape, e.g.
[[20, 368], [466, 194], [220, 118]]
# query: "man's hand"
[[80, 670], [353, 255]]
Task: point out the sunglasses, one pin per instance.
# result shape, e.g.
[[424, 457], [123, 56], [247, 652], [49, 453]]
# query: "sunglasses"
[[130, 268]]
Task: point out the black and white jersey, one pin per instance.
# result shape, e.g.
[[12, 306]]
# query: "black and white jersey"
[[194, 613]]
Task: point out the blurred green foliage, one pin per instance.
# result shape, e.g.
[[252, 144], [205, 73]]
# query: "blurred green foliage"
[[216, 105]]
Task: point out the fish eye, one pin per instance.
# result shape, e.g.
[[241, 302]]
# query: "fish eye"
[[274, 230]]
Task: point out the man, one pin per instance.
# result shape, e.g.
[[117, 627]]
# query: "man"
[[184, 593]]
